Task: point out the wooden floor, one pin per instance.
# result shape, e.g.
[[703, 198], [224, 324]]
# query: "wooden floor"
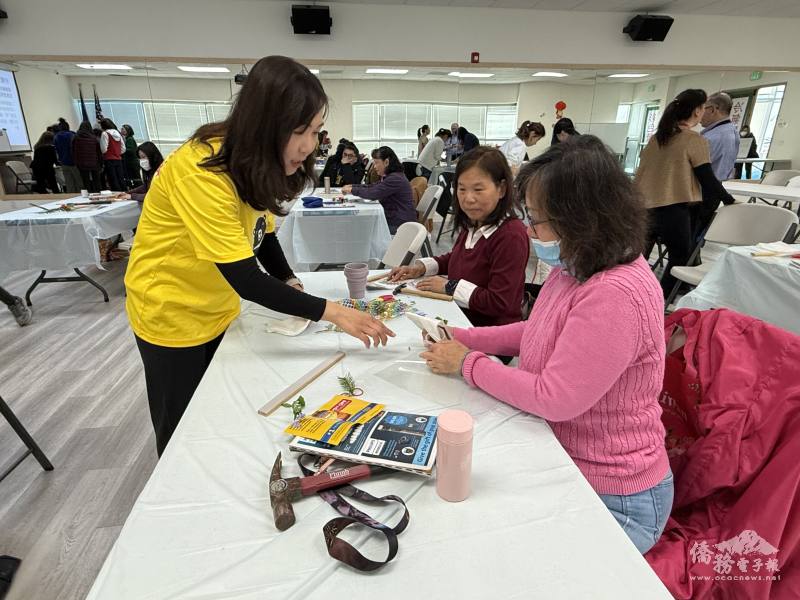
[[75, 380]]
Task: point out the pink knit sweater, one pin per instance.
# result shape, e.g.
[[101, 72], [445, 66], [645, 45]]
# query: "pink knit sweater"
[[591, 362]]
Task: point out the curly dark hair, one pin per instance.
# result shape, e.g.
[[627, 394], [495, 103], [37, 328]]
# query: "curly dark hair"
[[492, 162], [591, 204]]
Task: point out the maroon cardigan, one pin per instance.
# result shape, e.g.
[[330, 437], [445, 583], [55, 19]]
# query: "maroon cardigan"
[[497, 266]]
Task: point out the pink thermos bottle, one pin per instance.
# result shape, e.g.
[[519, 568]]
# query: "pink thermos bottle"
[[454, 455]]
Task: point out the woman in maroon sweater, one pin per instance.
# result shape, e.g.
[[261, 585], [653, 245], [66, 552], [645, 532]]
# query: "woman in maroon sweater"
[[485, 270], [87, 156]]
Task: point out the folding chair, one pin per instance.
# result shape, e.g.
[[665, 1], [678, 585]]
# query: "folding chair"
[[405, 245], [735, 225], [426, 206], [22, 174]]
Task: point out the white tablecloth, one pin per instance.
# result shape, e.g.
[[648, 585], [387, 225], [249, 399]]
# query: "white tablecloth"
[[334, 235], [764, 287], [203, 528], [33, 239]]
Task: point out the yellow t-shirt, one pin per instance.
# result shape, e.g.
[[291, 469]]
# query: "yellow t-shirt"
[[192, 218]]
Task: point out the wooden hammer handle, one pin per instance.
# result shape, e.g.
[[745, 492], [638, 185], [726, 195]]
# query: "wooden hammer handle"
[[434, 295]]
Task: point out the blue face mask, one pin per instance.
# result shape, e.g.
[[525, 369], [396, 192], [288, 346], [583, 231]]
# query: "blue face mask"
[[548, 252]]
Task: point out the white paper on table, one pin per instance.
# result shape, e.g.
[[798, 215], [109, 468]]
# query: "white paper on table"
[[383, 284], [280, 323], [779, 248]]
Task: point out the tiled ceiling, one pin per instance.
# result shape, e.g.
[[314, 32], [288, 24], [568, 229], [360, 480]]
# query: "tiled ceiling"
[[733, 8], [422, 73]]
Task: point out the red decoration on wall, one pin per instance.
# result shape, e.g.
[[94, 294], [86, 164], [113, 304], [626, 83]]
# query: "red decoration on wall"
[[561, 106]]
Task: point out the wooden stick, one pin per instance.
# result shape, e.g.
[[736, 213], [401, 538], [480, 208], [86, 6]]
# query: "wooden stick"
[[291, 391], [378, 276], [434, 295]]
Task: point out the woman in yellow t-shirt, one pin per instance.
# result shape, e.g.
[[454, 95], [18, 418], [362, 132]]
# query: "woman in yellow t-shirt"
[[209, 214]]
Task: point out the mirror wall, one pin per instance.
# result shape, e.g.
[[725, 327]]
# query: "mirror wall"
[[164, 102]]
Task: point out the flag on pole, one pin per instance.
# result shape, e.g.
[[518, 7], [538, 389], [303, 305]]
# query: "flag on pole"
[[98, 110], [84, 113]]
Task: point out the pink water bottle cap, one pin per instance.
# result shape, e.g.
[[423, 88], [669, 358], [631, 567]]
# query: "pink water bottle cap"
[[455, 426]]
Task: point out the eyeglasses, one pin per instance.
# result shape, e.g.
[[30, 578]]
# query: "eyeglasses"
[[533, 222], [348, 155]]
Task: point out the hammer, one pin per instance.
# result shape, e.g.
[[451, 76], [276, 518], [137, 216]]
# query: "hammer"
[[282, 492]]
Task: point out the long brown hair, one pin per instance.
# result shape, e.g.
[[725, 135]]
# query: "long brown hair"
[[46, 139], [591, 204], [492, 162], [278, 96], [680, 109]]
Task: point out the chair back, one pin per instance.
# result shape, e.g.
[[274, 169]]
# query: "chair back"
[[405, 245], [428, 202], [749, 224], [446, 199], [794, 182], [779, 177], [411, 169], [20, 169]]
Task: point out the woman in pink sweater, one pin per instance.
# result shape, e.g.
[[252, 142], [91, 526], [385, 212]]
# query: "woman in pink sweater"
[[591, 355]]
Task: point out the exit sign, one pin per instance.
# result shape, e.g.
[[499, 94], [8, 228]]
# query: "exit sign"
[[755, 75]]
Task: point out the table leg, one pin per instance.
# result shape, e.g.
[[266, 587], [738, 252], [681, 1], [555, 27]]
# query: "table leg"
[[33, 447], [81, 276]]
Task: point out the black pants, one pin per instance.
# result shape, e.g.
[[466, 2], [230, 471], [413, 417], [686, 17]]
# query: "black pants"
[[5, 297], [748, 169], [172, 376], [91, 179], [115, 175], [426, 173], [672, 226]]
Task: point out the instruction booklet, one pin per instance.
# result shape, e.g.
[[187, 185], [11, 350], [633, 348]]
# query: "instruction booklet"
[[389, 439]]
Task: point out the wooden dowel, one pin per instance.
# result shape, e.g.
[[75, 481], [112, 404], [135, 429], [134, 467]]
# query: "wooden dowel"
[[291, 391]]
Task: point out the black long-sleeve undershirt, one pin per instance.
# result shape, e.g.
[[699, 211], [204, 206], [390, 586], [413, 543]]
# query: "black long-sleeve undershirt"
[[269, 289], [713, 193]]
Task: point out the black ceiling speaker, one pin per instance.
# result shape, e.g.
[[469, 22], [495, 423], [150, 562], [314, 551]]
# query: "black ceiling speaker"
[[648, 28], [311, 19]]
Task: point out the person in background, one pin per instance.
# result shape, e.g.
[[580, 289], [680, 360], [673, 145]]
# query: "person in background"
[[469, 140], [746, 137], [393, 191], [515, 149], [323, 143], [675, 172], [63, 143], [453, 147], [723, 141], [130, 158], [22, 314], [485, 270], [345, 167], [44, 164], [432, 153], [87, 156], [563, 130], [112, 145], [422, 137], [149, 161], [208, 226], [592, 354]]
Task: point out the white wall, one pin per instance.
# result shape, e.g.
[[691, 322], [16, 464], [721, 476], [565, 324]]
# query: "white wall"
[[157, 88], [45, 97], [786, 137], [239, 29]]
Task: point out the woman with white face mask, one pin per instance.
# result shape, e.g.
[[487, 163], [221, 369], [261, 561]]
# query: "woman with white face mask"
[[150, 160], [591, 355]]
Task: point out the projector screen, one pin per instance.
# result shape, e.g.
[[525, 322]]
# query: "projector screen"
[[13, 134]]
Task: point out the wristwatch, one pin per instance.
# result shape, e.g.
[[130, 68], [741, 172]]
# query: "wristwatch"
[[450, 286]]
